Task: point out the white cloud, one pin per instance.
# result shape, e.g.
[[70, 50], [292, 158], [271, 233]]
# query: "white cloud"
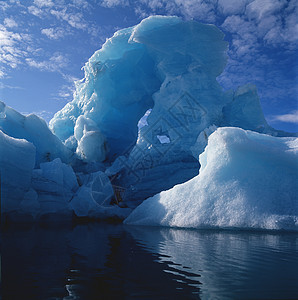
[[3, 5], [291, 117], [65, 92], [199, 9], [9, 22], [36, 11], [266, 24], [81, 4], [8, 38], [69, 78], [112, 3], [54, 64], [7, 86], [54, 33], [43, 3], [261, 8], [274, 21], [11, 51], [75, 20], [71, 12], [21, 45], [232, 7]]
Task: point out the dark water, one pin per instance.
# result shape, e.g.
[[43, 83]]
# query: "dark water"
[[104, 261]]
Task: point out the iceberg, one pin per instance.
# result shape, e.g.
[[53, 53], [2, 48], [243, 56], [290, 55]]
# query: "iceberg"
[[138, 124], [164, 69], [246, 180]]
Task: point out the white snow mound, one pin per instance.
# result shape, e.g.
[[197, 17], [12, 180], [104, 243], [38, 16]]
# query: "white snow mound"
[[246, 180]]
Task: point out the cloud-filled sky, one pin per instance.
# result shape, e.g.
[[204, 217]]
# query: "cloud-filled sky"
[[45, 43]]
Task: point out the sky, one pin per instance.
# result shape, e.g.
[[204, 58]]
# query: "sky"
[[45, 43]]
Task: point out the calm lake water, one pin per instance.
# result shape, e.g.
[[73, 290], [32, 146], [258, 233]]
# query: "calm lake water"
[[113, 261]]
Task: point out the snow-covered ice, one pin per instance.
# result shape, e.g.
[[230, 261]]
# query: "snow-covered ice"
[[246, 180]]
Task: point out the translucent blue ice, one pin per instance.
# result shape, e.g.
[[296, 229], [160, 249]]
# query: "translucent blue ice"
[[17, 160], [166, 69], [139, 120]]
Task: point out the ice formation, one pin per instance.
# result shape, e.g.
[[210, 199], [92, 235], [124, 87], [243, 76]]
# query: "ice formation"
[[246, 180], [169, 67], [91, 145], [35, 130], [17, 160], [138, 122]]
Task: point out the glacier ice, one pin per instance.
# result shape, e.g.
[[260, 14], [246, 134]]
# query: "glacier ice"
[[55, 184], [246, 180], [17, 160], [94, 198], [83, 203], [91, 144], [139, 120], [30, 205], [202, 141], [166, 69], [35, 130]]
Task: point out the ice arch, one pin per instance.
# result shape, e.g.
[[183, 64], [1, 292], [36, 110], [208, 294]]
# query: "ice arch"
[[170, 66], [150, 65]]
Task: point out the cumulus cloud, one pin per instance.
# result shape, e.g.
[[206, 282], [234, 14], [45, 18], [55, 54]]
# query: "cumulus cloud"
[[232, 7], [291, 117], [274, 21], [260, 9]]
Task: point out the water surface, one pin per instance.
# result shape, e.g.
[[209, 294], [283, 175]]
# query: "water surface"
[[113, 261]]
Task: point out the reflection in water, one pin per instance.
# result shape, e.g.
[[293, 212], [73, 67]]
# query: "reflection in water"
[[232, 265], [104, 261]]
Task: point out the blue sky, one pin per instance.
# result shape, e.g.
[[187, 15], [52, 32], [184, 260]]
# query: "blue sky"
[[45, 43]]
